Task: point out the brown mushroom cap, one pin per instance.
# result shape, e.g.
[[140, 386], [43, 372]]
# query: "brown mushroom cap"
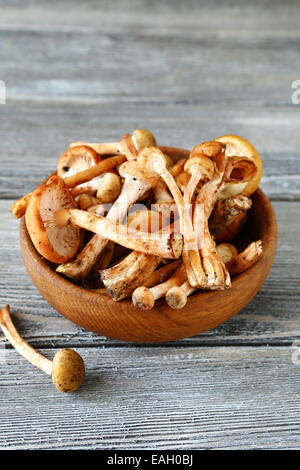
[[200, 162], [240, 147], [76, 159], [67, 370], [143, 138], [131, 169], [56, 244]]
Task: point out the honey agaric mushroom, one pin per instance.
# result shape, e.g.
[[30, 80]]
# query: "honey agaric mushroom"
[[176, 297], [137, 183], [238, 169], [227, 252], [216, 275], [235, 262], [163, 244], [18, 208], [128, 145], [67, 368], [228, 217], [76, 159], [109, 188], [145, 298], [201, 169], [245, 259], [238, 146], [55, 244]]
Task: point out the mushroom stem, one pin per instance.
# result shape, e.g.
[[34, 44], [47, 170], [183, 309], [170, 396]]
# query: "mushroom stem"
[[23, 348], [129, 144], [104, 148], [67, 367], [245, 259], [121, 279], [216, 275], [145, 298], [161, 274], [163, 244]]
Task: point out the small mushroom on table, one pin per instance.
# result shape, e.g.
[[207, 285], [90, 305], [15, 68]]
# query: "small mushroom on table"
[[67, 368]]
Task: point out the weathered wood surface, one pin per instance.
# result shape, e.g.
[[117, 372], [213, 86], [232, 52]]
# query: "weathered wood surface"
[[153, 398], [187, 71]]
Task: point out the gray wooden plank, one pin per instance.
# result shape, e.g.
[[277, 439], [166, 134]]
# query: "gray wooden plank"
[[36, 135], [271, 317], [156, 66], [239, 15], [156, 398]]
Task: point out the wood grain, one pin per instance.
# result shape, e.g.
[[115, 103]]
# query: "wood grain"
[[274, 134], [156, 398]]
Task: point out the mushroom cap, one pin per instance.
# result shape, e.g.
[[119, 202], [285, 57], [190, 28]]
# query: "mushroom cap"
[[149, 157], [176, 297], [143, 298], [76, 159], [67, 370], [238, 146], [143, 138], [109, 187], [56, 244], [200, 161], [131, 168], [182, 180], [227, 251]]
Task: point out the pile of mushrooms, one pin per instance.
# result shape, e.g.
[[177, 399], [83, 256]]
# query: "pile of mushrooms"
[[125, 219]]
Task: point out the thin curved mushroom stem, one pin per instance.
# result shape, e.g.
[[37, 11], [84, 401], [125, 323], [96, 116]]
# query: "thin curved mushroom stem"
[[104, 148], [201, 169], [162, 274], [18, 208], [154, 160], [165, 245], [145, 298], [216, 275], [245, 259], [67, 367], [233, 169], [135, 186]]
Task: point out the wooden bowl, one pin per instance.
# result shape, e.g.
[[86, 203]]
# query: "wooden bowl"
[[121, 320]]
